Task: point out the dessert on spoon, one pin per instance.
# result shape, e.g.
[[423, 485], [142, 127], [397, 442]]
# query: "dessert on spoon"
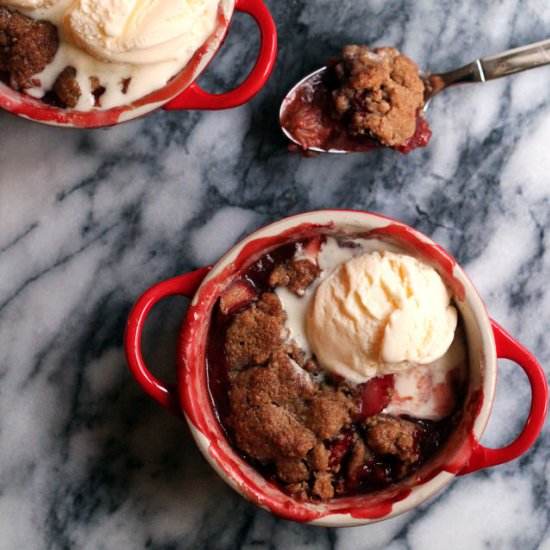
[[372, 98]]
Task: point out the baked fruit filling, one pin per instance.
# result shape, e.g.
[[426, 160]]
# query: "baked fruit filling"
[[366, 98], [317, 433]]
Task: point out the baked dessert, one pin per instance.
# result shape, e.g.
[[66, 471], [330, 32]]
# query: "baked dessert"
[[285, 382], [365, 99], [99, 54]]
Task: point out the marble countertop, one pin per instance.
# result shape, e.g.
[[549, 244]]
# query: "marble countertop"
[[90, 219]]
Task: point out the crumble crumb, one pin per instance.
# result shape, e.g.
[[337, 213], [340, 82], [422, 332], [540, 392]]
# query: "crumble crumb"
[[66, 88], [388, 435], [97, 90], [297, 275], [323, 486], [291, 470]]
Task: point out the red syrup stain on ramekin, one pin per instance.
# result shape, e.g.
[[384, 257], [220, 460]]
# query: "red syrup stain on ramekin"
[[197, 404]]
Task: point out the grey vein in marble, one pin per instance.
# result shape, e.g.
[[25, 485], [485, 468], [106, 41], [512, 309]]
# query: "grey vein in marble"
[[89, 220]]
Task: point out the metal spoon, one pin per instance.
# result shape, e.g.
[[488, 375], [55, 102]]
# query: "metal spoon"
[[480, 70]]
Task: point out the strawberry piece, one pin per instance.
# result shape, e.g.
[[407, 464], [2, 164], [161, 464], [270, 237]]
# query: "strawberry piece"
[[420, 138], [237, 296], [312, 247], [340, 447], [374, 395]]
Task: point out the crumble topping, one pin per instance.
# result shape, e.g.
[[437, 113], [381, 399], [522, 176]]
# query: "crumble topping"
[[26, 47], [279, 413], [256, 333], [297, 275], [387, 435], [380, 94]]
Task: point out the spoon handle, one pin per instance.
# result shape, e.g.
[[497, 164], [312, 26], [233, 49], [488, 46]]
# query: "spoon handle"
[[516, 60], [495, 66]]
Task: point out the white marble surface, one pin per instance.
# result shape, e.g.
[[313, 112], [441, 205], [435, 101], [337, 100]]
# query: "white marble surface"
[[90, 219]]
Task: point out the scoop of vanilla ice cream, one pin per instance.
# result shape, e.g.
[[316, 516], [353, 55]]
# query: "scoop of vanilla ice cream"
[[379, 313], [141, 31]]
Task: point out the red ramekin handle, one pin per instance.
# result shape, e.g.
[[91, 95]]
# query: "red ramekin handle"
[[194, 97], [508, 348], [184, 285]]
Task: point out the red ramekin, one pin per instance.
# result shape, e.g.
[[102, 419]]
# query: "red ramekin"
[[462, 452], [182, 92]]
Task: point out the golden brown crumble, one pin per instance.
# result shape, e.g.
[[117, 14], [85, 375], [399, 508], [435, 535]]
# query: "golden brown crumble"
[[380, 94]]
